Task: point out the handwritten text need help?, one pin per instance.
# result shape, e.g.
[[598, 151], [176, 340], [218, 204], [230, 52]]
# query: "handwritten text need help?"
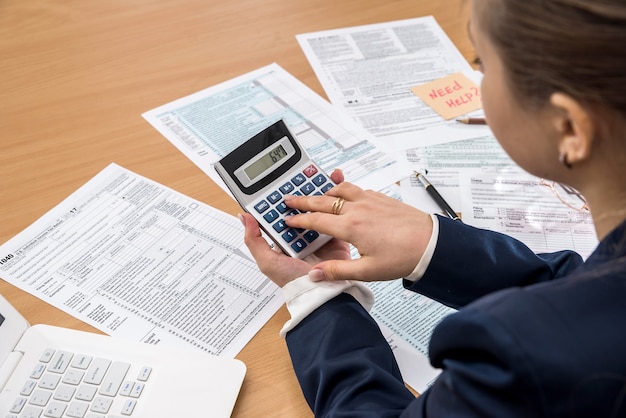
[[451, 96]]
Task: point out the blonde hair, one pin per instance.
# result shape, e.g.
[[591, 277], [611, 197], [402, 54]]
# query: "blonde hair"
[[577, 47]]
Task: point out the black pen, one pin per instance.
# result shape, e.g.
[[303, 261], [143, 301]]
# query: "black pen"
[[437, 197]]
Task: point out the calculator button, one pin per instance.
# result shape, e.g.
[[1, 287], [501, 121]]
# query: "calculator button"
[[274, 197], [280, 226], [310, 171], [287, 188], [327, 187], [289, 235], [262, 206], [271, 216], [319, 180], [282, 207], [307, 189], [299, 245], [299, 179], [310, 236]]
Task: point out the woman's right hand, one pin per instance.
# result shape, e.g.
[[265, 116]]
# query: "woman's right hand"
[[390, 236]]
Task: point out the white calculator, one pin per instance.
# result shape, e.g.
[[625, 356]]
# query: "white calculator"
[[261, 171]]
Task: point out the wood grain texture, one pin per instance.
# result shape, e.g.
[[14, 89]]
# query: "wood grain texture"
[[75, 77]]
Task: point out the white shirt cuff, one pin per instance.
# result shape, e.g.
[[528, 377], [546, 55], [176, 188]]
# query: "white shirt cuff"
[[421, 267], [303, 296]]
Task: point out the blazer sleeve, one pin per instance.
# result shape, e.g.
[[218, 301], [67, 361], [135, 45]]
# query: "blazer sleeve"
[[344, 365], [469, 263]]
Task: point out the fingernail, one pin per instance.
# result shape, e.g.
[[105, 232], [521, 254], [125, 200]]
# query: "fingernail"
[[317, 275], [243, 221], [288, 196]]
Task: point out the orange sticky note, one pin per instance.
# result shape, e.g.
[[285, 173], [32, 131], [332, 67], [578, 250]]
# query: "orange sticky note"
[[451, 96]]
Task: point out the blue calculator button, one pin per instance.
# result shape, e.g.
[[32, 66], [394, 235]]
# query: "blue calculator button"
[[299, 179], [274, 197], [299, 245], [310, 236], [280, 226], [282, 207], [262, 206], [289, 235], [297, 193], [270, 216], [319, 180], [287, 188], [327, 187], [307, 189], [292, 212], [318, 193]]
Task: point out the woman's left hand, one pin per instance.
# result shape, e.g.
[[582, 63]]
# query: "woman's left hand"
[[281, 268]]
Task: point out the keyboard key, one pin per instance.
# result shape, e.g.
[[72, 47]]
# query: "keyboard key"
[[64, 393], [31, 412], [137, 390], [38, 371], [144, 373], [28, 387], [77, 409], [290, 235], [270, 216], [60, 361], [86, 392], [55, 410], [40, 397], [319, 180], [97, 370], [101, 404], [81, 361], [73, 377], [46, 356], [282, 207], [128, 407], [310, 171], [114, 378], [280, 226], [18, 405], [310, 236], [287, 188], [126, 388], [262, 206], [307, 189], [298, 179], [49, 381], [274, 197], [299, 245], [327, 187]]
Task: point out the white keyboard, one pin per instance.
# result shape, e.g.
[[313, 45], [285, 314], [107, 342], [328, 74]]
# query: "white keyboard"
[[65, 384]]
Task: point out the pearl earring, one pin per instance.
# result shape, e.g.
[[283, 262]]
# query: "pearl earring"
[[563, 161]]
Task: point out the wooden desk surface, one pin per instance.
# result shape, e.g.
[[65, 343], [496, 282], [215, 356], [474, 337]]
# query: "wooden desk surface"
[[75, 77]]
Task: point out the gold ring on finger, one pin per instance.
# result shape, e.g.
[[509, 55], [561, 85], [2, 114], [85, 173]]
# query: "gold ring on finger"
[[337, 205]]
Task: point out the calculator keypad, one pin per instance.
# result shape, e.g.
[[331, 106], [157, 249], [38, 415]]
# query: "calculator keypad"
[[273, 209]]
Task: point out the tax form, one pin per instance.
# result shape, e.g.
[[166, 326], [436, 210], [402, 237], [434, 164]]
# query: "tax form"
[[207, 125], [138, 260], [368, 71]]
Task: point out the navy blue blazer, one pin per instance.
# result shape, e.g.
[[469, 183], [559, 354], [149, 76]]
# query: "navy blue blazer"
[[535, 336]]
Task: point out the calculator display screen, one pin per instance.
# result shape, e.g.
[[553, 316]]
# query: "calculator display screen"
[[266, 161]]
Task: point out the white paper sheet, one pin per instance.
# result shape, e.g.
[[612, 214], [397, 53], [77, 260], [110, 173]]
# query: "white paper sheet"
[[518, 205], [207, 125], [443, 165], [368, 71], [138, 260]]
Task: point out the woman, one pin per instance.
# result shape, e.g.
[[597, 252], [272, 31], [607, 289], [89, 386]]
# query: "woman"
[[535, 335]]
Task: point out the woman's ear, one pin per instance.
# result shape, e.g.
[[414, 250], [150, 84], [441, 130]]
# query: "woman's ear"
[[575, 128]]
